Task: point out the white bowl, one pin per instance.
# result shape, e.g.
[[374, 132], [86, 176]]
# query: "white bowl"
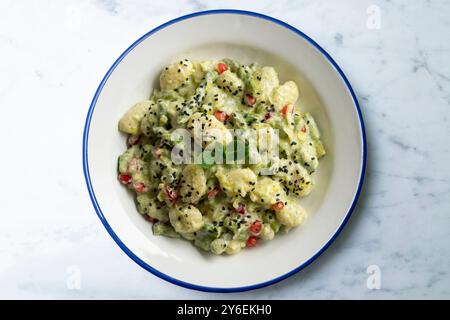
[[247, 37]]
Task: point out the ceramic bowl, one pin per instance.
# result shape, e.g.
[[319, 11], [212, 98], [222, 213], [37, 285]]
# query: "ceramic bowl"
[[246, 37]]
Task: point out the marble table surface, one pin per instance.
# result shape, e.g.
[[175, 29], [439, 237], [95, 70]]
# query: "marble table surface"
[[396, 55]]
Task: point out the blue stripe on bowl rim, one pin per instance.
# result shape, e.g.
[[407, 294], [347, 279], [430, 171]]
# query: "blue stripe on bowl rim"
[[117, 239]]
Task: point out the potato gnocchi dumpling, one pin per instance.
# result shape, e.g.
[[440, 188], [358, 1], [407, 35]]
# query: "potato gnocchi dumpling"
[[193, 184], [292, 213], [206, 129], [286, 94], [131, 121], [175, 74], [151, 207], [232, 190], [267, 191], [263, 82], [236, 182], [185, 219]]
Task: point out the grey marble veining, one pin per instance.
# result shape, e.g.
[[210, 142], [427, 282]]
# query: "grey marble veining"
[[52, 62]]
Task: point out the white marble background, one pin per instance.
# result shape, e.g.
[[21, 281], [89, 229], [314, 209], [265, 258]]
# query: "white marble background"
[[54, 54]]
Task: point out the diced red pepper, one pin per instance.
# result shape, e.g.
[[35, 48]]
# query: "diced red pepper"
[[213, 192], [256, 227], [278, 206], [133, 139], [171, 194], [221, 115], [286, 109], [124, 178], [140, 187], [240, 209], [221, 67], [303, 129], [251, 242], [251, 100]]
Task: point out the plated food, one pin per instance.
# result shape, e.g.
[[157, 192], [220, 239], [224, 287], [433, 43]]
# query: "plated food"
[[226, 200], [324, 91]]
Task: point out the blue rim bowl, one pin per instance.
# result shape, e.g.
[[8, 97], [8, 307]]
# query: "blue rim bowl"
[[145, 265]]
